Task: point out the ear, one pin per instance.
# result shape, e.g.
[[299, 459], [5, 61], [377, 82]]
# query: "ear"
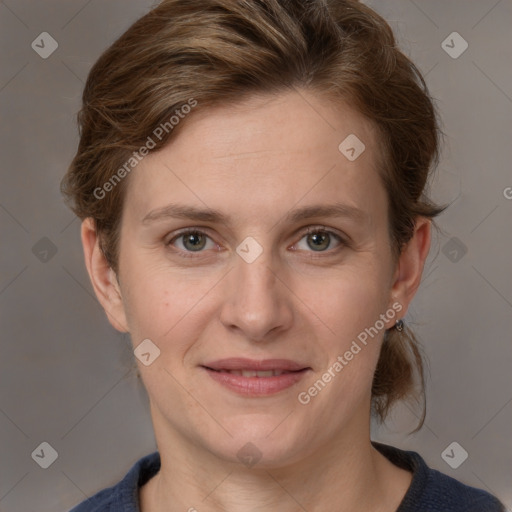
[[410, 265], [103, 278]]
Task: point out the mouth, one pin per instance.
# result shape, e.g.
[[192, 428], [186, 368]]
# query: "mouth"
[[254, 373], [256, 378], [244, 364]]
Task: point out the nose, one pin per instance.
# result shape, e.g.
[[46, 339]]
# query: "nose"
[[258, 302]]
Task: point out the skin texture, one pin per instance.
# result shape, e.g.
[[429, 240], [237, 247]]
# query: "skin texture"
[[255, 162]]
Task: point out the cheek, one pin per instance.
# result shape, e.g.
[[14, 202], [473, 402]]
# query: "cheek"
[[348, 306], [162, 305], [347, 301]]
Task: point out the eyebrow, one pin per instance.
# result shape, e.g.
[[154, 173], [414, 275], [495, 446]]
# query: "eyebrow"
[[180, 211]]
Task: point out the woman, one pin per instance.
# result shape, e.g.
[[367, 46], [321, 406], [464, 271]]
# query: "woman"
[[251, 176]]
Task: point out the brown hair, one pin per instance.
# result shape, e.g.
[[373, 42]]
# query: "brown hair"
[[214, 52]]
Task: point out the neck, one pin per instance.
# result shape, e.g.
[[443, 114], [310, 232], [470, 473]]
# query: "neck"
[[348, 474]]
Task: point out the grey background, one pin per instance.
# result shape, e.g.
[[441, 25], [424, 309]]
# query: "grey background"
[[66, 375]]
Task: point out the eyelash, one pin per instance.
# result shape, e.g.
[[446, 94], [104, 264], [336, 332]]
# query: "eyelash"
[[309, 231]]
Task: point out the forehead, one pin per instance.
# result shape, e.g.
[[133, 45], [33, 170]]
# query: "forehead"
[[297, 121], [279, 148]]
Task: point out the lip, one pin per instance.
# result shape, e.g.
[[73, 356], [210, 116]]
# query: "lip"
[[256, 386], [241, 363]]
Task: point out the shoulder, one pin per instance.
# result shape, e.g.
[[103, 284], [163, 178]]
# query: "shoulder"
[[124, 495], [442, 492], [433, 491]]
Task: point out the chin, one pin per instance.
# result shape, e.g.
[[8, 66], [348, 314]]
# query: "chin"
[[259, 444]]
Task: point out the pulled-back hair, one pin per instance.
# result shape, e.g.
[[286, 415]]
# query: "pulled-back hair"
[[218, 52]]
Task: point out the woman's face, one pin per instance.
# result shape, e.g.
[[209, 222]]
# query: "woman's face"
[[256, 285]]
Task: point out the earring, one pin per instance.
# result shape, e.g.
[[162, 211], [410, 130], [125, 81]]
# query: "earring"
[[399, 324]]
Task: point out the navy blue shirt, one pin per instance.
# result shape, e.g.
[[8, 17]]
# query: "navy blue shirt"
[[430, 490]]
